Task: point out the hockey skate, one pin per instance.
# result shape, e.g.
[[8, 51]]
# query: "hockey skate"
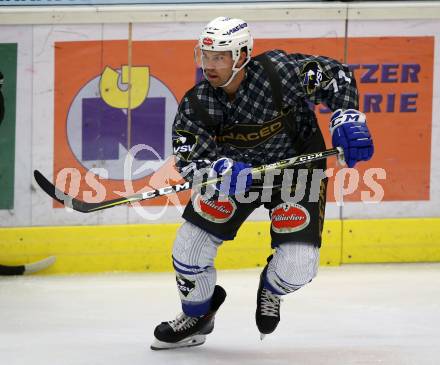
[[267, 315], [187, 331]]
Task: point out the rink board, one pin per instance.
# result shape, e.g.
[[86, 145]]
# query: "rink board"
[[391, 240], [139, 247], [81, 249], [63, 53]]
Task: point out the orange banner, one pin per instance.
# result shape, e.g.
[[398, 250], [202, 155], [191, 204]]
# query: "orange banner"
[[98, 118]]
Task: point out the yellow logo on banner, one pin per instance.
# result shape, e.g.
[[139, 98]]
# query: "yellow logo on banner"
[[117, 98]]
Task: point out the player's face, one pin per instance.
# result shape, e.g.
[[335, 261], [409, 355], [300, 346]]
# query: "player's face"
[[217, 66]]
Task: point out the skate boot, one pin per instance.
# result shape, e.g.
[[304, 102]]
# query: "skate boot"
[[267, 315], [187, 331]]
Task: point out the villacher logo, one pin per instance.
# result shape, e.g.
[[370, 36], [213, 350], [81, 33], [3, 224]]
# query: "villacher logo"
[[214, 210], [289, 217]]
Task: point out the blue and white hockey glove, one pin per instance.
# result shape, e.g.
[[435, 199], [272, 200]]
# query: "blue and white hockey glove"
[[349, 130], [237, 177]]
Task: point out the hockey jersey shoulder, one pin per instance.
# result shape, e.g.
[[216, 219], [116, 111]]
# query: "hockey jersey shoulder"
[[316, 79]]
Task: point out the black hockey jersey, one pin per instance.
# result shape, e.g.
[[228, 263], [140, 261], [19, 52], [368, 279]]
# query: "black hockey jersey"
[[249, 128]]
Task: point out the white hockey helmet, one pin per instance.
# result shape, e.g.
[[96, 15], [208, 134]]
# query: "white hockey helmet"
[[226, 34]]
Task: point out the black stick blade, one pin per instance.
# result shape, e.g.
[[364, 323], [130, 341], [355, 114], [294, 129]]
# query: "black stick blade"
[[48, 187], [76, 204], [11, 270], [6, 270]]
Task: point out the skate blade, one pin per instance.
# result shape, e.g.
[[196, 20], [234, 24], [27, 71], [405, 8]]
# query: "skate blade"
[[262, 335], [196, 340]]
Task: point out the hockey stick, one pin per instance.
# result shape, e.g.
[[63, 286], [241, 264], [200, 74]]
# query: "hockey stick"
[[84, 207], [27, 268]]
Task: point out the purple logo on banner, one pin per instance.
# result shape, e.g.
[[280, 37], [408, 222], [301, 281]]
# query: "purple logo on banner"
[[104, 128], [97, 123]]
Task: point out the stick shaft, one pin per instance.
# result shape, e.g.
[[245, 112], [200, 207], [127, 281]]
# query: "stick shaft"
[[84, 207], [283, 164]]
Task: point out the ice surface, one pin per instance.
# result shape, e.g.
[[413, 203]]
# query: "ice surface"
[[353, 314]]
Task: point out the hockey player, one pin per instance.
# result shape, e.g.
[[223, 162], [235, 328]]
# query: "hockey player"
[[248, 112]]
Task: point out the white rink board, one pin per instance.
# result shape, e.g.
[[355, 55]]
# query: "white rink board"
[[35, 111], [40, 138]]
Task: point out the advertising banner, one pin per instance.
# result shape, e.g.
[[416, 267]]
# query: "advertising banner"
[[395, 80], [98, 118], [8, 77]]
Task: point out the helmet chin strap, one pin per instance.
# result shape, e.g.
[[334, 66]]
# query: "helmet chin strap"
[[235, 71]]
